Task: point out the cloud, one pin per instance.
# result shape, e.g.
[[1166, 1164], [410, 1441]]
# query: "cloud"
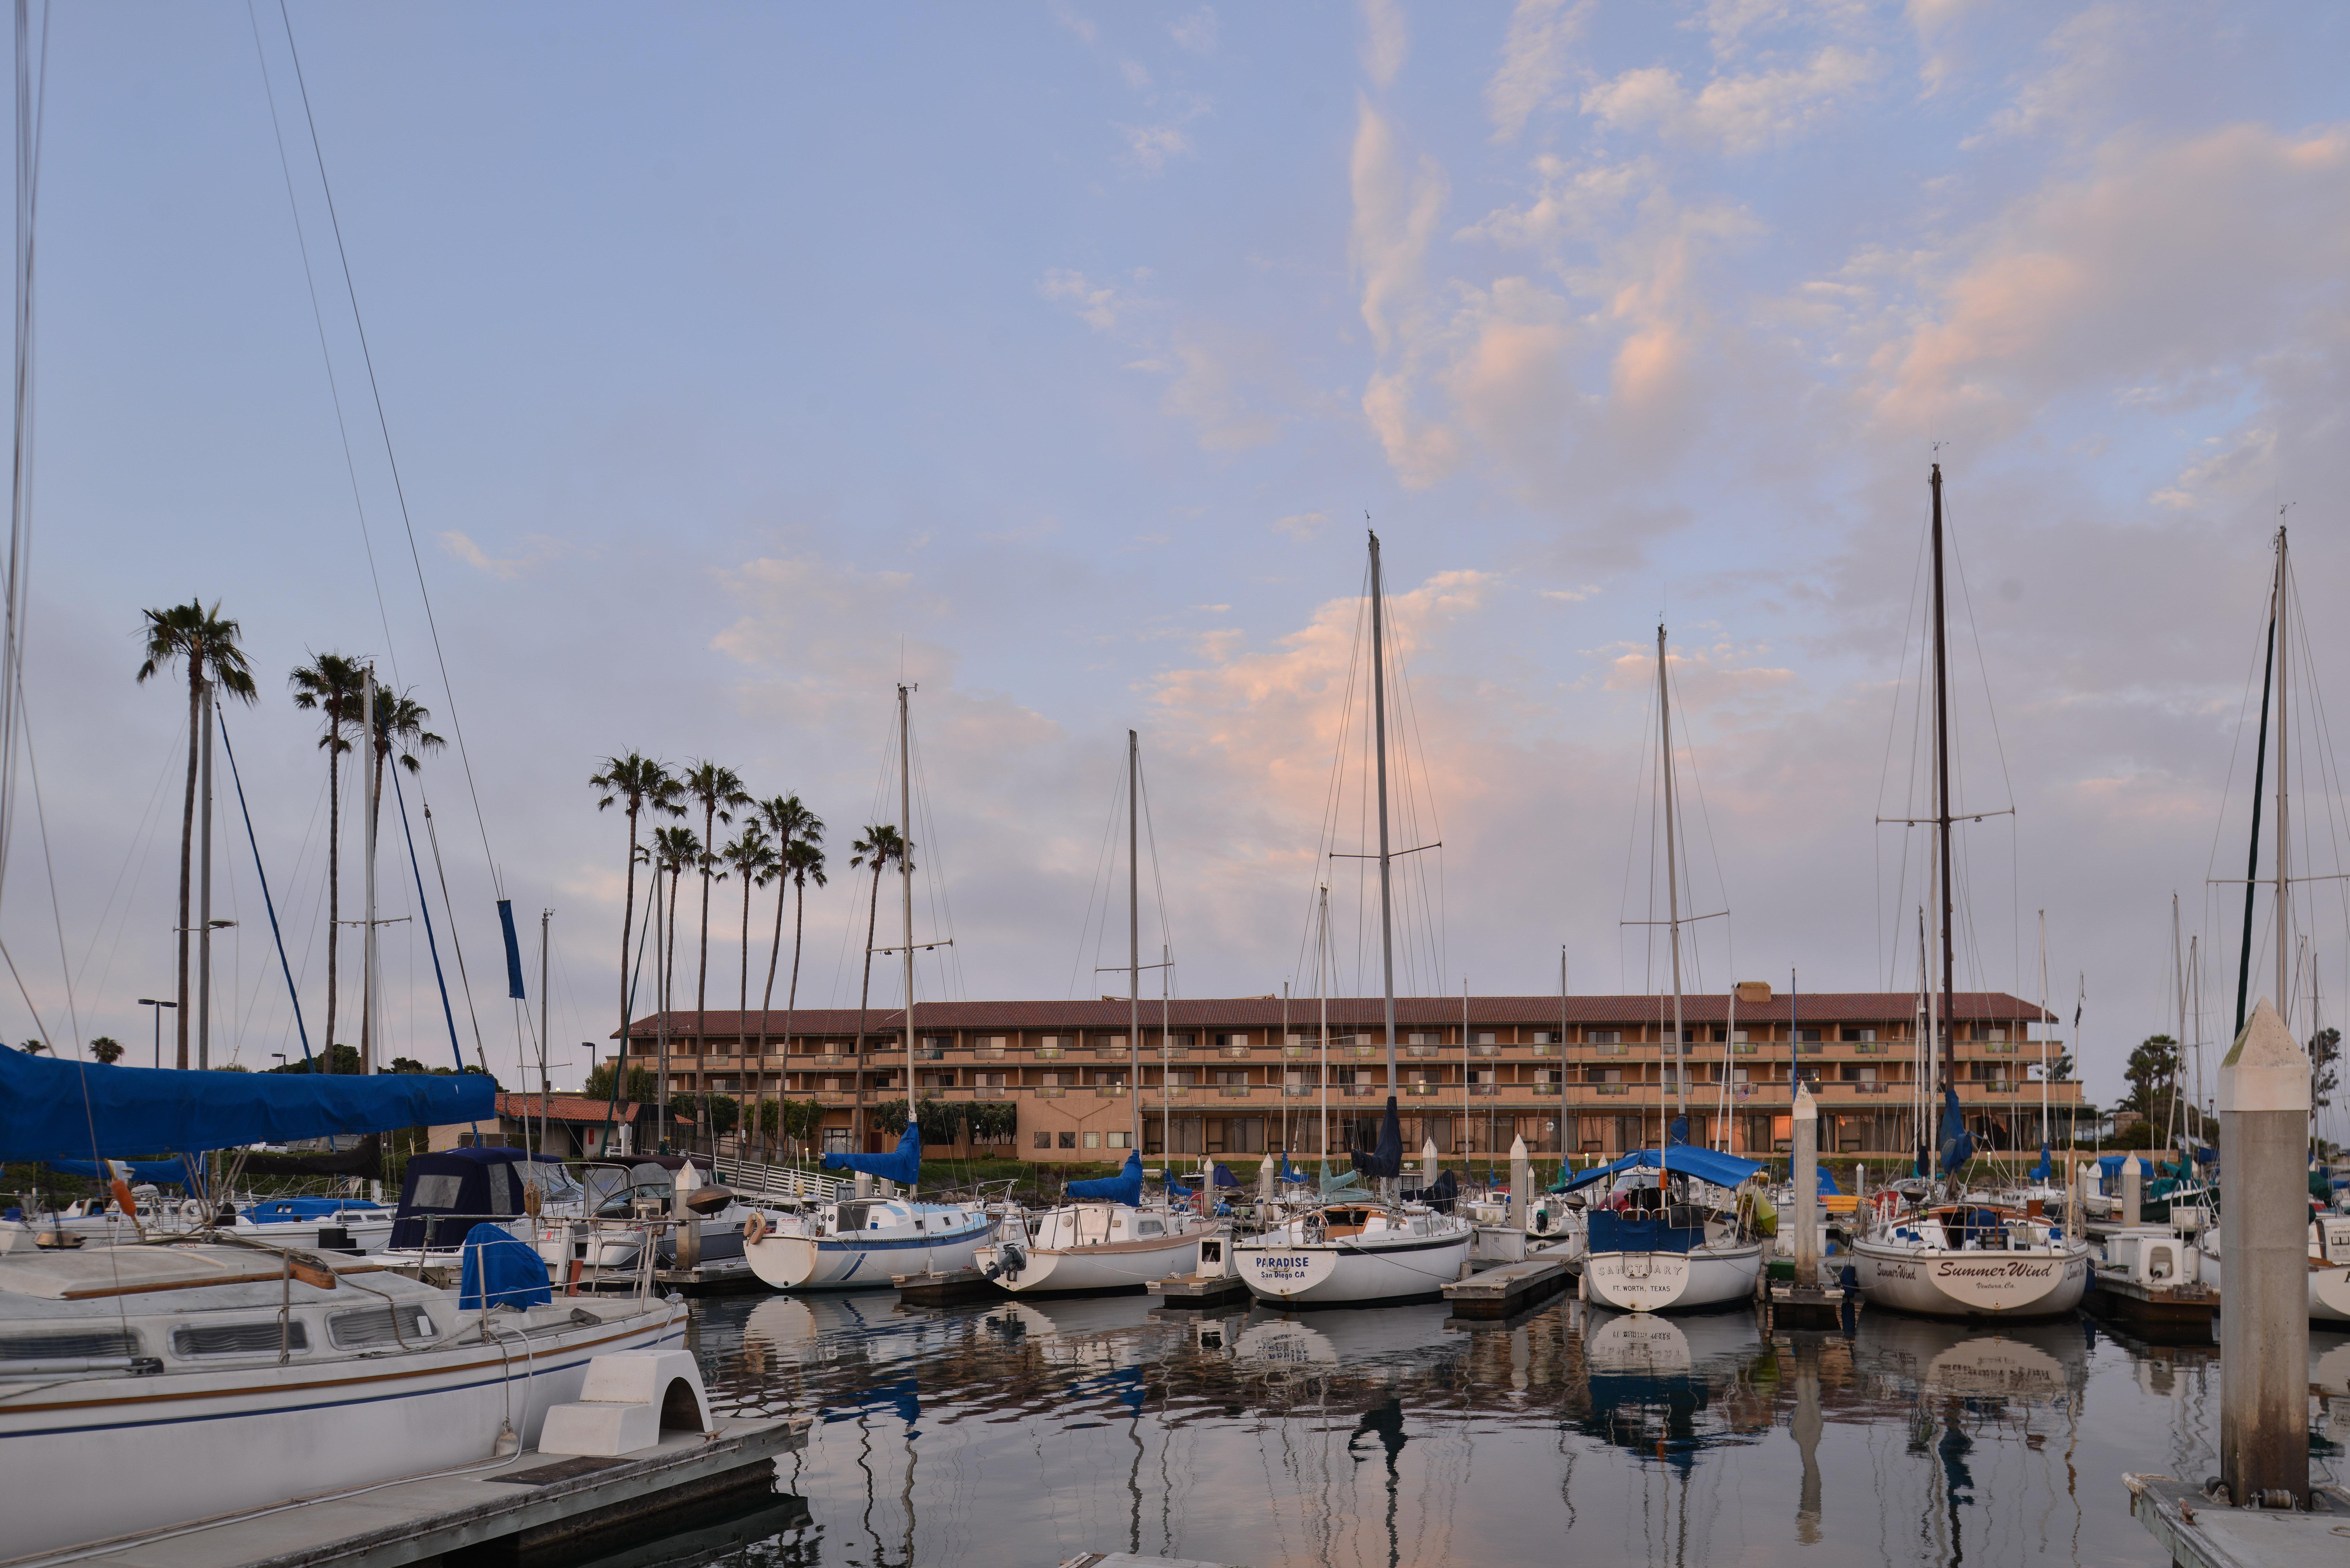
[[1534, 61], [1148, 147], [1099, 307], [1068, 17], [1301, 525], [539, 549], [1196, 32], [1397, 208], [1385, 43], [1214, 390], [1741, 114]]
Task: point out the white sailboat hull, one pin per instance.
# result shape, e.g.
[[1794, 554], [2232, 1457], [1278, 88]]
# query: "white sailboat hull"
[[1345, 1273], [1666, 1282], [1938, 1283], [234, 1438], [854, 1261], [2329, 1283], [1111, 1266]]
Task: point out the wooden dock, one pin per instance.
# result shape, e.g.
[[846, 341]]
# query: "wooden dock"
[[1499, 1293], [527, 1507], [1792, 1306], [2173, 1314], [2202, 1533], [945, 1289], [1193, 1292]]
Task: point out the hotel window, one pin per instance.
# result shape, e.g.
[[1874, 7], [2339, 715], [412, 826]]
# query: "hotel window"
[[1093, 1140], [1050, 1041], [1807, 1036], [1483, 1037], [1109, 1042], [1738, 1074], [1117, 1139], [1043, 1140], [1859, 1075], [1851, 1034], [992, 1042], [1546, 1037], [989, 1080], [1604, 1036], [1422, 1040], [938, 1080], [1182, 1075], [1236, 1075], [1417, 1076], [1174, 1042], [1068, 1140], [1232, 1040], [1738, 1038], [1603, 1074], [1987, 1033], [1050, 1080], [1109, 1075]]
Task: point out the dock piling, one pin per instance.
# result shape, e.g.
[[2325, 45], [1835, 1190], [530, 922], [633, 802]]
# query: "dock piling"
[[2264, 1262], [1807, 1190], [1520, 1179]]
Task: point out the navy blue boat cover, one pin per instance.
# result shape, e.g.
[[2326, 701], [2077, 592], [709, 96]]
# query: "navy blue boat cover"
[[446, 1192], [1614, 1232], [154, 1170], [1958, 1144], [1705, 1163], [1388, 1159], [56, 1110], [902, 1165], [1125, 1188], [506, 1271]]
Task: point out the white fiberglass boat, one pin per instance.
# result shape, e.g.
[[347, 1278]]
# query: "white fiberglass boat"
[[864, 1242], [1972, 1261], [1359, 1253], [233, 1378], [2329, 1266], [1670, 1232], [1092, 1248]]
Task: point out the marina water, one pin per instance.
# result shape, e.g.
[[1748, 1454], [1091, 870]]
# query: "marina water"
[[1029, 1432]]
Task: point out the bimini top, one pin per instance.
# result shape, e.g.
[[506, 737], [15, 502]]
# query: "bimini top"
[[1705, 1163], [58, 1110], [446, 1193]]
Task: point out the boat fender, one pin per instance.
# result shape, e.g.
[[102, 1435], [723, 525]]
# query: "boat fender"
[[755, 1228]]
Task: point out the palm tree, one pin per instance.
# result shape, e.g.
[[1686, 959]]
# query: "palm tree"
[[399, 736], [206, 645], [335, 686], [881, 847], [107, 1049], [645, 786], [719, 792], [799, 844], [752, 859], [674, 849]]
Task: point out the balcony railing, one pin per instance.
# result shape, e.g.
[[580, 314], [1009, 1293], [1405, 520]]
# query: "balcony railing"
[[1236, 1053], [1608, 1047], [1234, 1091], [1174, 1091], [1110, 1091], [1423, 1050], [1423, 1091], [1360, 1091], [1297, 1091], [1544, 1047], [1871, 1047], [930, 1053], [1302, 1053], [1051, 1053], [1485, 1090], [990, 1053], [1485, 1048], [1869, 1088], [1052, 1091], [1358, 1053], [1611, 1089], [2001, 1047]]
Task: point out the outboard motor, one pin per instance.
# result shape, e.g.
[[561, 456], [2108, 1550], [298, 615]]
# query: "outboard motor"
[[1010, 1258]]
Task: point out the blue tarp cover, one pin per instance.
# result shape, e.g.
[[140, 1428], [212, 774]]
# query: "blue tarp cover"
[[1388, 1159], [1958, 1144], [53, 1110], [294, 1211], [1125, 1188], [1827, 1187], [510, 1273], [1706, 1165], [1614, 1232], [155, 1170], [902, 1165], [444, 1190]]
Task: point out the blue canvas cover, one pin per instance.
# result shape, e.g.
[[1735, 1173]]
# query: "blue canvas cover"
[[1125, 1188], [1827, 1182], [1678, 1135], [500, 1270], [1388, 1159], [446, 1193], [1958, 1144], [295, 1210], [2041, 1171], [1224, 1178], [55, 1110], [1705, 1163], [902, 1165], [1614, 1232], [158, 1171]]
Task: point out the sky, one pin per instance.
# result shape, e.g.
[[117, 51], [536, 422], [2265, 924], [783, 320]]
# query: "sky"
[[710, 370]]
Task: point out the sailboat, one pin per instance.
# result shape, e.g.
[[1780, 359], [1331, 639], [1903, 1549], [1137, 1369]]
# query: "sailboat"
[[1102, 1239], [1964, 1259], [1354, 1249], [2329, 1234], [865, 1240], [1679, 1239]]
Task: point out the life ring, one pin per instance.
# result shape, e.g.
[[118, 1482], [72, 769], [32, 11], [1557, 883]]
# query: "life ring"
[[753, 1228], [192, 1211]]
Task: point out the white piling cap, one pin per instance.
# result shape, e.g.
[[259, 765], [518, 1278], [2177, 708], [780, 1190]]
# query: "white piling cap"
[[2130, 1166], [2266, 1069], [1518, 1149], [1807, 1109]]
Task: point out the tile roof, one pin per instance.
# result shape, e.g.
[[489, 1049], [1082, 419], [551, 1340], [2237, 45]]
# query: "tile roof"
[[563, 1107], [1354, 1012]]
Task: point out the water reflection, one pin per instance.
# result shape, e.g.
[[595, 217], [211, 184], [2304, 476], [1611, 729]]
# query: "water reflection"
[[1027, 1432]]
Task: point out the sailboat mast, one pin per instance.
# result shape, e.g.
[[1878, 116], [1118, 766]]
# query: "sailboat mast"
[[2043, 1015], [905, 885], [2283, 784], [1134, 940], [1379, 725], [1942, 788], [2178, 963], [1672, 875], [2260, 761], [367, 948], [1322, 984]]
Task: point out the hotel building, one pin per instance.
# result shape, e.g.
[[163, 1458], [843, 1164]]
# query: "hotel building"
[[1245, 1077]]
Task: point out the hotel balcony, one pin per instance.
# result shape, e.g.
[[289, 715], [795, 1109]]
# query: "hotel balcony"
[[1234, 1091]]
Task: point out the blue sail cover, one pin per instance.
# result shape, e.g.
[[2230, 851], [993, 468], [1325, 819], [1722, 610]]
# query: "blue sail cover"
[[1679, 1134], [56, 1110], [1705, 1163], [902, 1165], [155, 1170], [1125, 1188], [500, 1270], [2041, 1171], [1958, 1144], [1388, 1159], [1827, 1187]]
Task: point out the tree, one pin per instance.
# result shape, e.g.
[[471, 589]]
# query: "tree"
[[719, 792], [2324, 1074], [639, 1087], [34, 1047], [2152, 1073], [407, 1064], [877, 847], [721, 1113], [205, 646], [400, 737], [640, 784], [334, 1059], [674, 849], [106, 1049], [799, 844], [888, 1118], [752, 860], [335, 687]]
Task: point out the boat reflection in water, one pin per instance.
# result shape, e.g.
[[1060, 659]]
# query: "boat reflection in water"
[[1038, 1430]]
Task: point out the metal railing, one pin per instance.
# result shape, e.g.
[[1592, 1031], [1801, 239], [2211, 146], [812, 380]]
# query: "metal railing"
[[755, 1179], [1611, 1089], [1298, 1091], [1485, 1048], [1052, 1091], [1423, 1091], [1110, 1091], [1234, 1051], [1487, 1090], [1235, 1090]]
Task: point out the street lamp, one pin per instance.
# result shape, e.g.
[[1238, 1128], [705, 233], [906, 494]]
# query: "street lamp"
[[281, 1057], [158, 1006]]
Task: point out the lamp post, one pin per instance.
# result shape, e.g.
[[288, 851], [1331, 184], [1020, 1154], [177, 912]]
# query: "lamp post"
[[159, 1006], [281, 1057]]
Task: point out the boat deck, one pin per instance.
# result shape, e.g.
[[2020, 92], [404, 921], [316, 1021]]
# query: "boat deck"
[[533, 1503]]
